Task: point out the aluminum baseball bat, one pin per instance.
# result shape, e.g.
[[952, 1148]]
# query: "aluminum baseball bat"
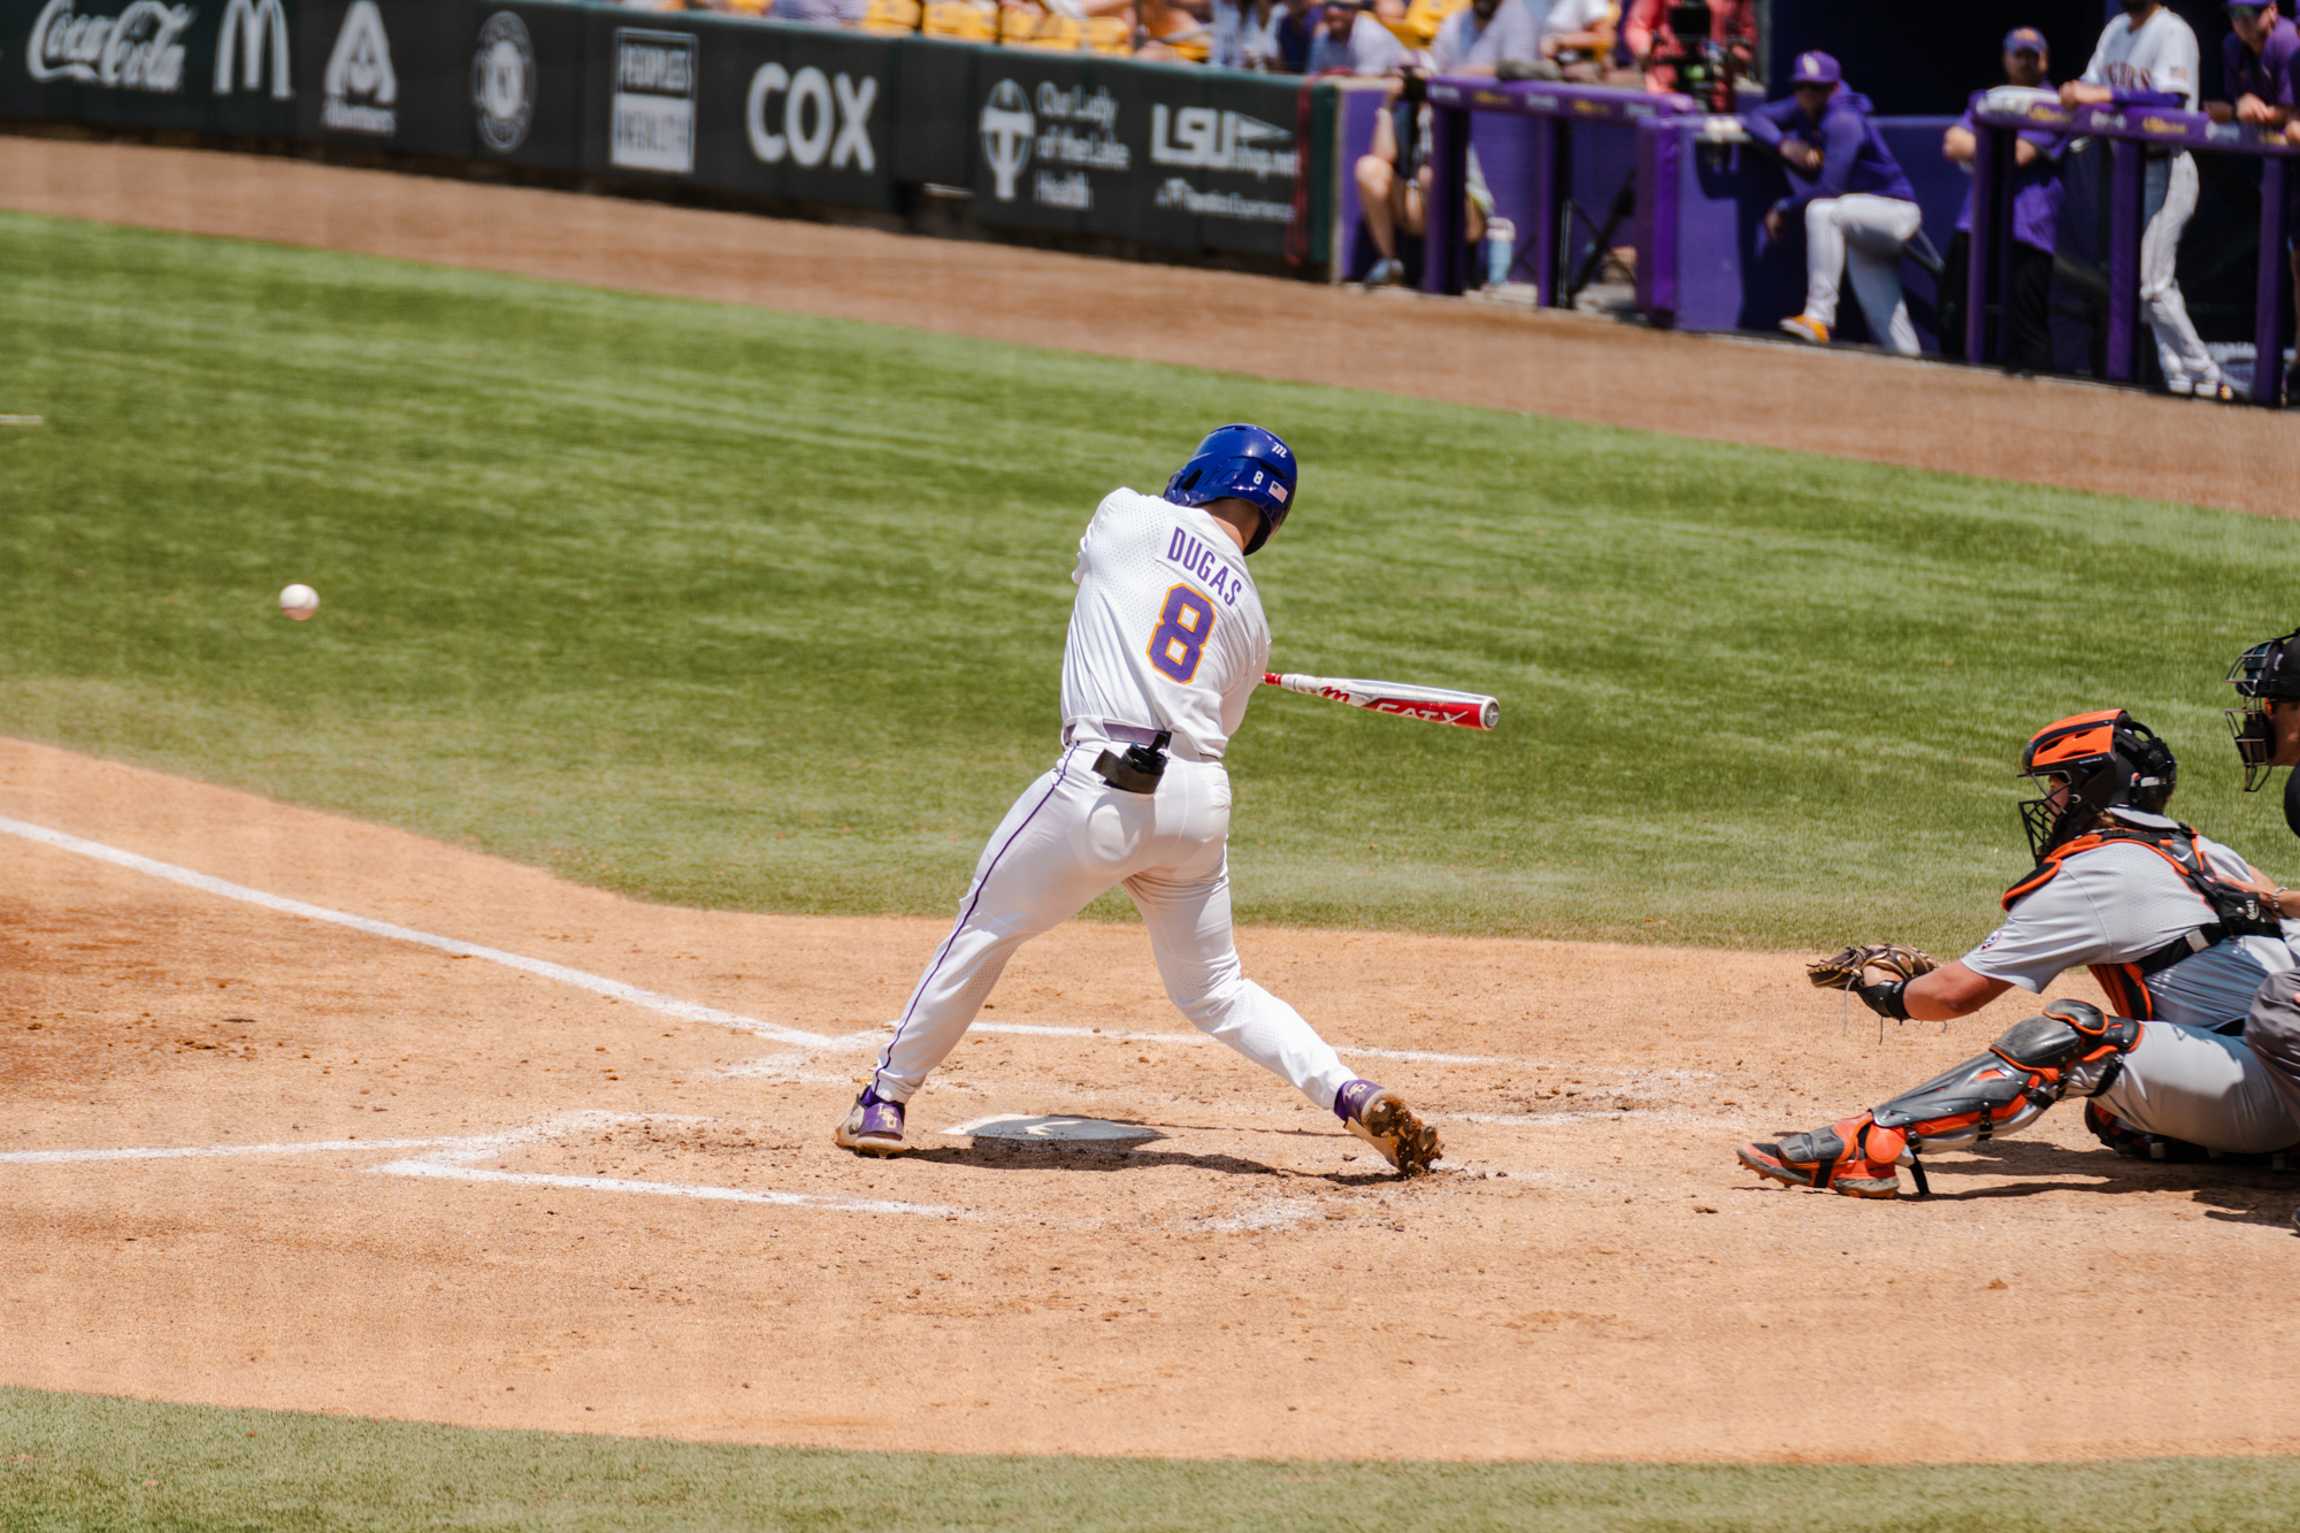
[[1467, 710]]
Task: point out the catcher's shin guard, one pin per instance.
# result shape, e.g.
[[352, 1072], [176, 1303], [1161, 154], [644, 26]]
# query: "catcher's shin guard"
[[2071, 1048]]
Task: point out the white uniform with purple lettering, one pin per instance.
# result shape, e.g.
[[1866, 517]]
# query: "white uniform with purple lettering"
[[1167, 633], [2161, 55]]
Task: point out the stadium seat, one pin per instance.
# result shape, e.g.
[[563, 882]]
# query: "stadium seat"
[[1030, 29], [1419, 27], [1109, 35], [888, 17], [961, 19]]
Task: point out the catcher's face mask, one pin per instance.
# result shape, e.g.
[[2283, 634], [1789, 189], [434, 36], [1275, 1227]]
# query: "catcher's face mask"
[[2261, 675], [2088, 764]]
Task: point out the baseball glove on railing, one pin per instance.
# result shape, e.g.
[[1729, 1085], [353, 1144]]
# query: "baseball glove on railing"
[[1848, 971]]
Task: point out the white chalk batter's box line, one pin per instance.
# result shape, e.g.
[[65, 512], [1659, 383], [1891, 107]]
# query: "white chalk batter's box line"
[[451, 1158], [663, 1005]]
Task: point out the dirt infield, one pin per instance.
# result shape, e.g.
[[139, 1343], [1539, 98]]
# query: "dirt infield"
[[470, 1193], [460, 1142], [1844, 404]]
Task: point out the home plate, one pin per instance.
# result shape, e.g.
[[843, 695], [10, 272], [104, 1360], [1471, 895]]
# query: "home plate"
[[1061, 1130]]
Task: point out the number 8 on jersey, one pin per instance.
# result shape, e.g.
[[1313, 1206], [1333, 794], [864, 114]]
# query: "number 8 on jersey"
[[1179, 641]]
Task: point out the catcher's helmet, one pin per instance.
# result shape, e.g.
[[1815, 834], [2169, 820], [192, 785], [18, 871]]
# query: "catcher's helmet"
[[2108, 759], [2267, 672], [1239, 462]]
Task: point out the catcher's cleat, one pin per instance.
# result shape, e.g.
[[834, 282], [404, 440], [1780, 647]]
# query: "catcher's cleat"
[[2222, 392], [1806, 328], [874, 1127], [1382, 1119], [1854, 1157]]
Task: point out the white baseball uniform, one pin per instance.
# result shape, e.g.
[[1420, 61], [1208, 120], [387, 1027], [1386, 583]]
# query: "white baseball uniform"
[[2161, 54], [1166, 633], [2118, 903]]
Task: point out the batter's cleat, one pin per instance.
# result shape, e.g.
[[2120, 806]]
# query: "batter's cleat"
[[1387, 272], [1806, 328], [874, 1127], [2222, 392], [1382, 1119], [1854, 1157]]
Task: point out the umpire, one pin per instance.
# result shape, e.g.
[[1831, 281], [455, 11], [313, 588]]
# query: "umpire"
[[2266, 724]]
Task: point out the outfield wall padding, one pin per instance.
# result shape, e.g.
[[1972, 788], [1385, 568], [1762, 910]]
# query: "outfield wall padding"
[[1188, 161]]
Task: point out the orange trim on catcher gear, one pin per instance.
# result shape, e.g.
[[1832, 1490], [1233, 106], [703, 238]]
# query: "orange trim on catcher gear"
[[2079, 737]]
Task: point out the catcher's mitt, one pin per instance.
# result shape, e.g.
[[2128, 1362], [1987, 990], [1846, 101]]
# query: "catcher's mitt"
[[1847, 970]]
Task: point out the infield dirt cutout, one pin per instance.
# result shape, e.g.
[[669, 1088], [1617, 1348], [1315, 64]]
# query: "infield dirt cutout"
[[469, 1193], [473, 1194]]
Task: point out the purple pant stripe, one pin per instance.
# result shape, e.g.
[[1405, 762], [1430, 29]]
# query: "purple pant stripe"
[[886, 1055]]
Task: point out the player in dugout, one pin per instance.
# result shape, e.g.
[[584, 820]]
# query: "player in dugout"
[[2149, 49], [1855, 201], [2257, 59], [2035, 213]]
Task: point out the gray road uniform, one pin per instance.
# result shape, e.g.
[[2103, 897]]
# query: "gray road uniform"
[[2162, 955]]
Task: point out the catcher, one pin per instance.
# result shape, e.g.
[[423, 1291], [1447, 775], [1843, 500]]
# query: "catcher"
[[2183, 936]]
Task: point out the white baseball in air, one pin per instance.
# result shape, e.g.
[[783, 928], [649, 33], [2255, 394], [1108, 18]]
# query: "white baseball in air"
[[299, 601]]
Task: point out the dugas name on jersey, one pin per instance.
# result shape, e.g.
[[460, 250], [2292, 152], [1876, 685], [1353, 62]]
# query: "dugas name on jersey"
[[1194, 558]]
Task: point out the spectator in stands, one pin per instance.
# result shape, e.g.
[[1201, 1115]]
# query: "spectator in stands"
[[1577, 36], [1654, 46], [1479, 37], [2035, 212], [1349, 41], [2258, 59], [1855, 201], [1394, 177], [822, 13], [1246, 35]]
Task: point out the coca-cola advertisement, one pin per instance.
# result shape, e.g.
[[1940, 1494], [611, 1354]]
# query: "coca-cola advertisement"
[[141, 48], [217, 66]]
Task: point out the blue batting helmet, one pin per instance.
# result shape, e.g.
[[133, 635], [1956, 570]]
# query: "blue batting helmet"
[[1239, 462]]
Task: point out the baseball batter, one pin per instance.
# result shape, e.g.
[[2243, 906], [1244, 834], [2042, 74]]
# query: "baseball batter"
[[2150, 48], [2187, 940], [1167, 643]]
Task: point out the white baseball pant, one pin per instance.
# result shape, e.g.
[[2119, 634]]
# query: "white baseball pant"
[[2169, 201], [1069, 838], [1868, 234]]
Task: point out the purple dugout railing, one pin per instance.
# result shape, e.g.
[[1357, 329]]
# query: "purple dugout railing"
[[1556, 111], [2130, 127]]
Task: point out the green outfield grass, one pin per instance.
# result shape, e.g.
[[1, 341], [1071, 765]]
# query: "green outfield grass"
[[81, 1462], [730, 608]]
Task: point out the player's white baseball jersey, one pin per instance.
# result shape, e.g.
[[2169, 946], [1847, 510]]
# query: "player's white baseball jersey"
[[2161, 55], [1167, 632]]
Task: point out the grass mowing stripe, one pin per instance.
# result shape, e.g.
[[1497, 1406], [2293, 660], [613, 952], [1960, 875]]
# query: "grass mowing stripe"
[[734, 608], [87, 1462]]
